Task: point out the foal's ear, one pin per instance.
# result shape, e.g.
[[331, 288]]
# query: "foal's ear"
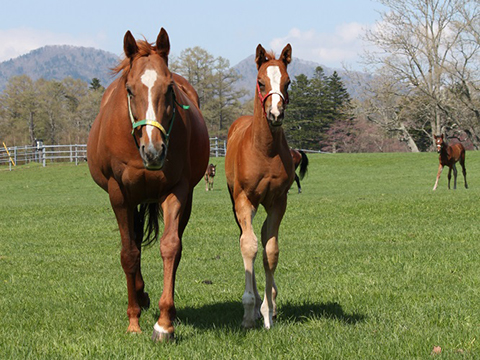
[[129, 45], [163, 44], [286, 56], [261, 56]]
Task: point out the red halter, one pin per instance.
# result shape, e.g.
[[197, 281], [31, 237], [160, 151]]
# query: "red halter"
[[263, 99]]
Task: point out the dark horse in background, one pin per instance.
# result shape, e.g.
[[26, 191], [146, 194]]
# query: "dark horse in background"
[[299, 159], [148, 148], [449, 155], [259, 170], [209, 176]]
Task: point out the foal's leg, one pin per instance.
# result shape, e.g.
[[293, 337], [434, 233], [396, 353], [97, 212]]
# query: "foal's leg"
[[297, 180], [270, 258], [449, 176], [175, 208], [245, 213], [464, 170], [440, 168], [454, 177], [130, 254]]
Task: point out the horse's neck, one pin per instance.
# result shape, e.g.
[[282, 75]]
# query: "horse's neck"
[[444, 153], [264, 139]]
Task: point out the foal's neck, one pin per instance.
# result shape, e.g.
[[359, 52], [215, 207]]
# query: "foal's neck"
[[264, 138]]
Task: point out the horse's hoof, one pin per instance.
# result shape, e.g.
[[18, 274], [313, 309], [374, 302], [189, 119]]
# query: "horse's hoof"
[[248, 324], [134, 329], [162, 335]]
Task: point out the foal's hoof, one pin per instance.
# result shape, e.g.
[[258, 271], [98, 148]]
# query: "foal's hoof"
[[162, 335]]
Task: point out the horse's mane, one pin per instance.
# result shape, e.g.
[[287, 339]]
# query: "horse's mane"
[[144, 49], [270, 55]]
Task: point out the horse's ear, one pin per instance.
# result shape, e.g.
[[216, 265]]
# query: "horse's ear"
[[261, 56], [442, 136], [129, 45], [163, 44], [286, 56]]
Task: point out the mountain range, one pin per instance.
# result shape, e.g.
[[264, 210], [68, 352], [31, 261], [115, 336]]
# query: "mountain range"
[[56, 62]]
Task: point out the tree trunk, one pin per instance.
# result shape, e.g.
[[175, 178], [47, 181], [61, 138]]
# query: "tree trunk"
[[31, 128], [408, 139]]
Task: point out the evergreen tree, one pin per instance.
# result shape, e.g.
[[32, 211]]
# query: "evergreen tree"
[[314, 106]]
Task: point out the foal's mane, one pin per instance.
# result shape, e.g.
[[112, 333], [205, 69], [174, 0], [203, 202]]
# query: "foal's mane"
[[144, 49], [270, 55]]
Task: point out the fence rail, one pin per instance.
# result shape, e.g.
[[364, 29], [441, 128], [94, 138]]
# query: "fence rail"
[[76, 153]]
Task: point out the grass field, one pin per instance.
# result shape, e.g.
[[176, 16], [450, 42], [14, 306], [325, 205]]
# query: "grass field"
[[373, 265]]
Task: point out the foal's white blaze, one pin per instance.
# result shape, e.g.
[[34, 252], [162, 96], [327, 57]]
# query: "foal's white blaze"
[[148, 79], [274, 74]]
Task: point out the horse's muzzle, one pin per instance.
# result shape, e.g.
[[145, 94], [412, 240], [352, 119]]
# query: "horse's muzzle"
[[153, 156], [276, 118]]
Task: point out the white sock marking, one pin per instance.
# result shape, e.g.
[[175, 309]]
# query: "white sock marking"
[[159, 329]]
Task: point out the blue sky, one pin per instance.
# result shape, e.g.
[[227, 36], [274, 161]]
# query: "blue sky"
[[322, 31]]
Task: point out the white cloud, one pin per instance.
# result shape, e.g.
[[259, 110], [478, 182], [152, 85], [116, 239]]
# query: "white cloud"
[[19, 41], [330, 49]]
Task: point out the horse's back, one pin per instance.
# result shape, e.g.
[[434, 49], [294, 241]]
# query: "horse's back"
[[457, 151], [187, 88]]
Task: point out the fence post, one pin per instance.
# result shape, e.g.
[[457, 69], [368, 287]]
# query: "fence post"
[[216, 146], [15, 154], [44, 157], [76, 155], [224, 147]]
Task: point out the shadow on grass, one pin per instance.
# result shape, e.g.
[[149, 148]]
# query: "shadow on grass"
[[311, 311], [228, 315]]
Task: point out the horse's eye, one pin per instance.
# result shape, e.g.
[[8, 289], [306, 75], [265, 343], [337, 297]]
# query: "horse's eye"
[[261, 84], [129, 90], [287, 85]]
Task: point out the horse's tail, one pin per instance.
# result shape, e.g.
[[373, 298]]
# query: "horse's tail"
[[303, 164], [149, 214]]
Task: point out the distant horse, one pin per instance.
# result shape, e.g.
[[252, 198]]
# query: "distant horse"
[[209, 175], [259, 170], [299, 158], [148, 148], [449, 155]]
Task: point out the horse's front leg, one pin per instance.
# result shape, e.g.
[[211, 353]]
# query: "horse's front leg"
[[270, 228], [245, 212], [440, 168], [129, 256], [171, 250]]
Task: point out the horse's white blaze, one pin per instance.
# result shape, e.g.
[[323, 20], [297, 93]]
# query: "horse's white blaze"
[[274, 74], [148, 79]]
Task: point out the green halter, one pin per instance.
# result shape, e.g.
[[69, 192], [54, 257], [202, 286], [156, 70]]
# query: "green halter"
[[136, 124]]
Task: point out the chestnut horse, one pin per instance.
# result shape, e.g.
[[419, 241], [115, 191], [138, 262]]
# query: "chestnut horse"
[[153, 171], [209, 175], [259, 170], [449, 155], [299, 159]]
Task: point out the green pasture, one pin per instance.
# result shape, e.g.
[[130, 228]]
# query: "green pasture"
[[373, 265]]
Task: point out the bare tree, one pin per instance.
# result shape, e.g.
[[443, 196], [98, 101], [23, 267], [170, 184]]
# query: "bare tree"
[[420, 44]]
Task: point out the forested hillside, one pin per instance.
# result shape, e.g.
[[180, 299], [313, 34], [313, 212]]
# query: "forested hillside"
[[59, 62]]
